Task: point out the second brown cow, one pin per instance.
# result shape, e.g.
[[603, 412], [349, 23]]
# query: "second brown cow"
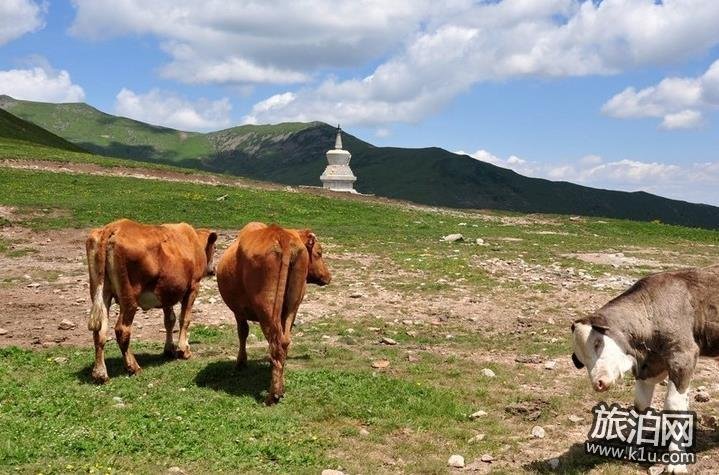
[[144, 266], [262, 277]]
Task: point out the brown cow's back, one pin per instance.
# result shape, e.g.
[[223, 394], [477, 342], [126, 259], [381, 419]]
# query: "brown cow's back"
[[248, 272]]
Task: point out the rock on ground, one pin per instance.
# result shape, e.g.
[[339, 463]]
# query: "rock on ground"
[[488, 373], [456, 461], [453, 238], [538, 432]]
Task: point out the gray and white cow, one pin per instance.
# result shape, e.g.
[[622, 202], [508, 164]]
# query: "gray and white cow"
[[656, 329]]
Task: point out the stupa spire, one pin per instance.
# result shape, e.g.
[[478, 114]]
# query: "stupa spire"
[[338, 140]]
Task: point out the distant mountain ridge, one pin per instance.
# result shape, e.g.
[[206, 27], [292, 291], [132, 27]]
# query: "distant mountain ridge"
[[294, 153]]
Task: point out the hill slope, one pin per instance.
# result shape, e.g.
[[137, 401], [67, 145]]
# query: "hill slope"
[[15, 128], [293, 153]]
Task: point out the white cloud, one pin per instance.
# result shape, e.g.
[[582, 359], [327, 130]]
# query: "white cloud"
[[696, 182], [679, 102], [42, 84], [18, 17], [488, 41], [170, 110], [430, 52], [247, 41]]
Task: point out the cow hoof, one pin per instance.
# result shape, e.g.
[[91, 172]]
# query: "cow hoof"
[[241, 364], [169, 353], [134, 370], [99, 377], [183, 354], [273, 399]]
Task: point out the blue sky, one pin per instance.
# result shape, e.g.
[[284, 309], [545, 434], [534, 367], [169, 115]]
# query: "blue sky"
[[619, 94]]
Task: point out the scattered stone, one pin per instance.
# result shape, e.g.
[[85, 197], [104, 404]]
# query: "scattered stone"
[[487, 458], [462, 224], [66, 325], [656, 469], [356, 295], [60, 360], [380, 364], [222, 198], [550, 365], [412, 358], [538, 432], [363, 432], [702, 396], [3, 331], [529, 359], [117, 399], [488, 373], [329, 471], [388, 341], [33, 285], [289, 189], [575, 419], [554, 463], [476, 438], [453, 238], [477, 414], [176, 470], [456, 461]]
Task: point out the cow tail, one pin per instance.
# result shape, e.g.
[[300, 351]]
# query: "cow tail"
[[281, 285], [96, 246]]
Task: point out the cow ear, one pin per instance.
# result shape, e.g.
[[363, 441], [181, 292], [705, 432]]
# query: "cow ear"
[[311, 239], [577, 364], [600, 328]]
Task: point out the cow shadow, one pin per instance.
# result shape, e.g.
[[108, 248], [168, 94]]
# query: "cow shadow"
[[253, 380], [116, 367], [576, 460]]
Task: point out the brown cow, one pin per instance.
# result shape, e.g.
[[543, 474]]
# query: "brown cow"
[[144, 266], [262, 277]]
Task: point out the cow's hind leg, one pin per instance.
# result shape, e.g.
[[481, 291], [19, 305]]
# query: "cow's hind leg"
[[170, 318], [123, 331], [99, 337], [243, 329], [183, 345], [273, 333]]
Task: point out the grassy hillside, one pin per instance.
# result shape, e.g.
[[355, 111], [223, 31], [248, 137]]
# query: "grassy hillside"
[[204, 416], [17, 129], [109, 135], [293, 153]]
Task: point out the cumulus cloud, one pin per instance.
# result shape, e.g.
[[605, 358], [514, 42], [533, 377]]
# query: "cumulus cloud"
[[696, 182], [246, 41], [170, 110], [18, 17], [679, 102], [513, 38], [428, 52], [40, 83]]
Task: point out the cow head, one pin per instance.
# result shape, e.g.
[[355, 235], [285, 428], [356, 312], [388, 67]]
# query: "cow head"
[[600, 353], [208, 239], [317, 272]]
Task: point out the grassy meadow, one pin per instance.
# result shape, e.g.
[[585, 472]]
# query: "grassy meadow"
[[204, 416]]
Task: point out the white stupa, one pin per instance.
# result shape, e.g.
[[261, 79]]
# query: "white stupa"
[[338, 176]]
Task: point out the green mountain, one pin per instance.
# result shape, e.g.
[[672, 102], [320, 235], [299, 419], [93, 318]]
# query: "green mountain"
[[293, 153], [15, 128]]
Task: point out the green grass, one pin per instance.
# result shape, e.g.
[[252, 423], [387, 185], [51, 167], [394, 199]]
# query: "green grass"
[[391, 231], [200, 414]]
